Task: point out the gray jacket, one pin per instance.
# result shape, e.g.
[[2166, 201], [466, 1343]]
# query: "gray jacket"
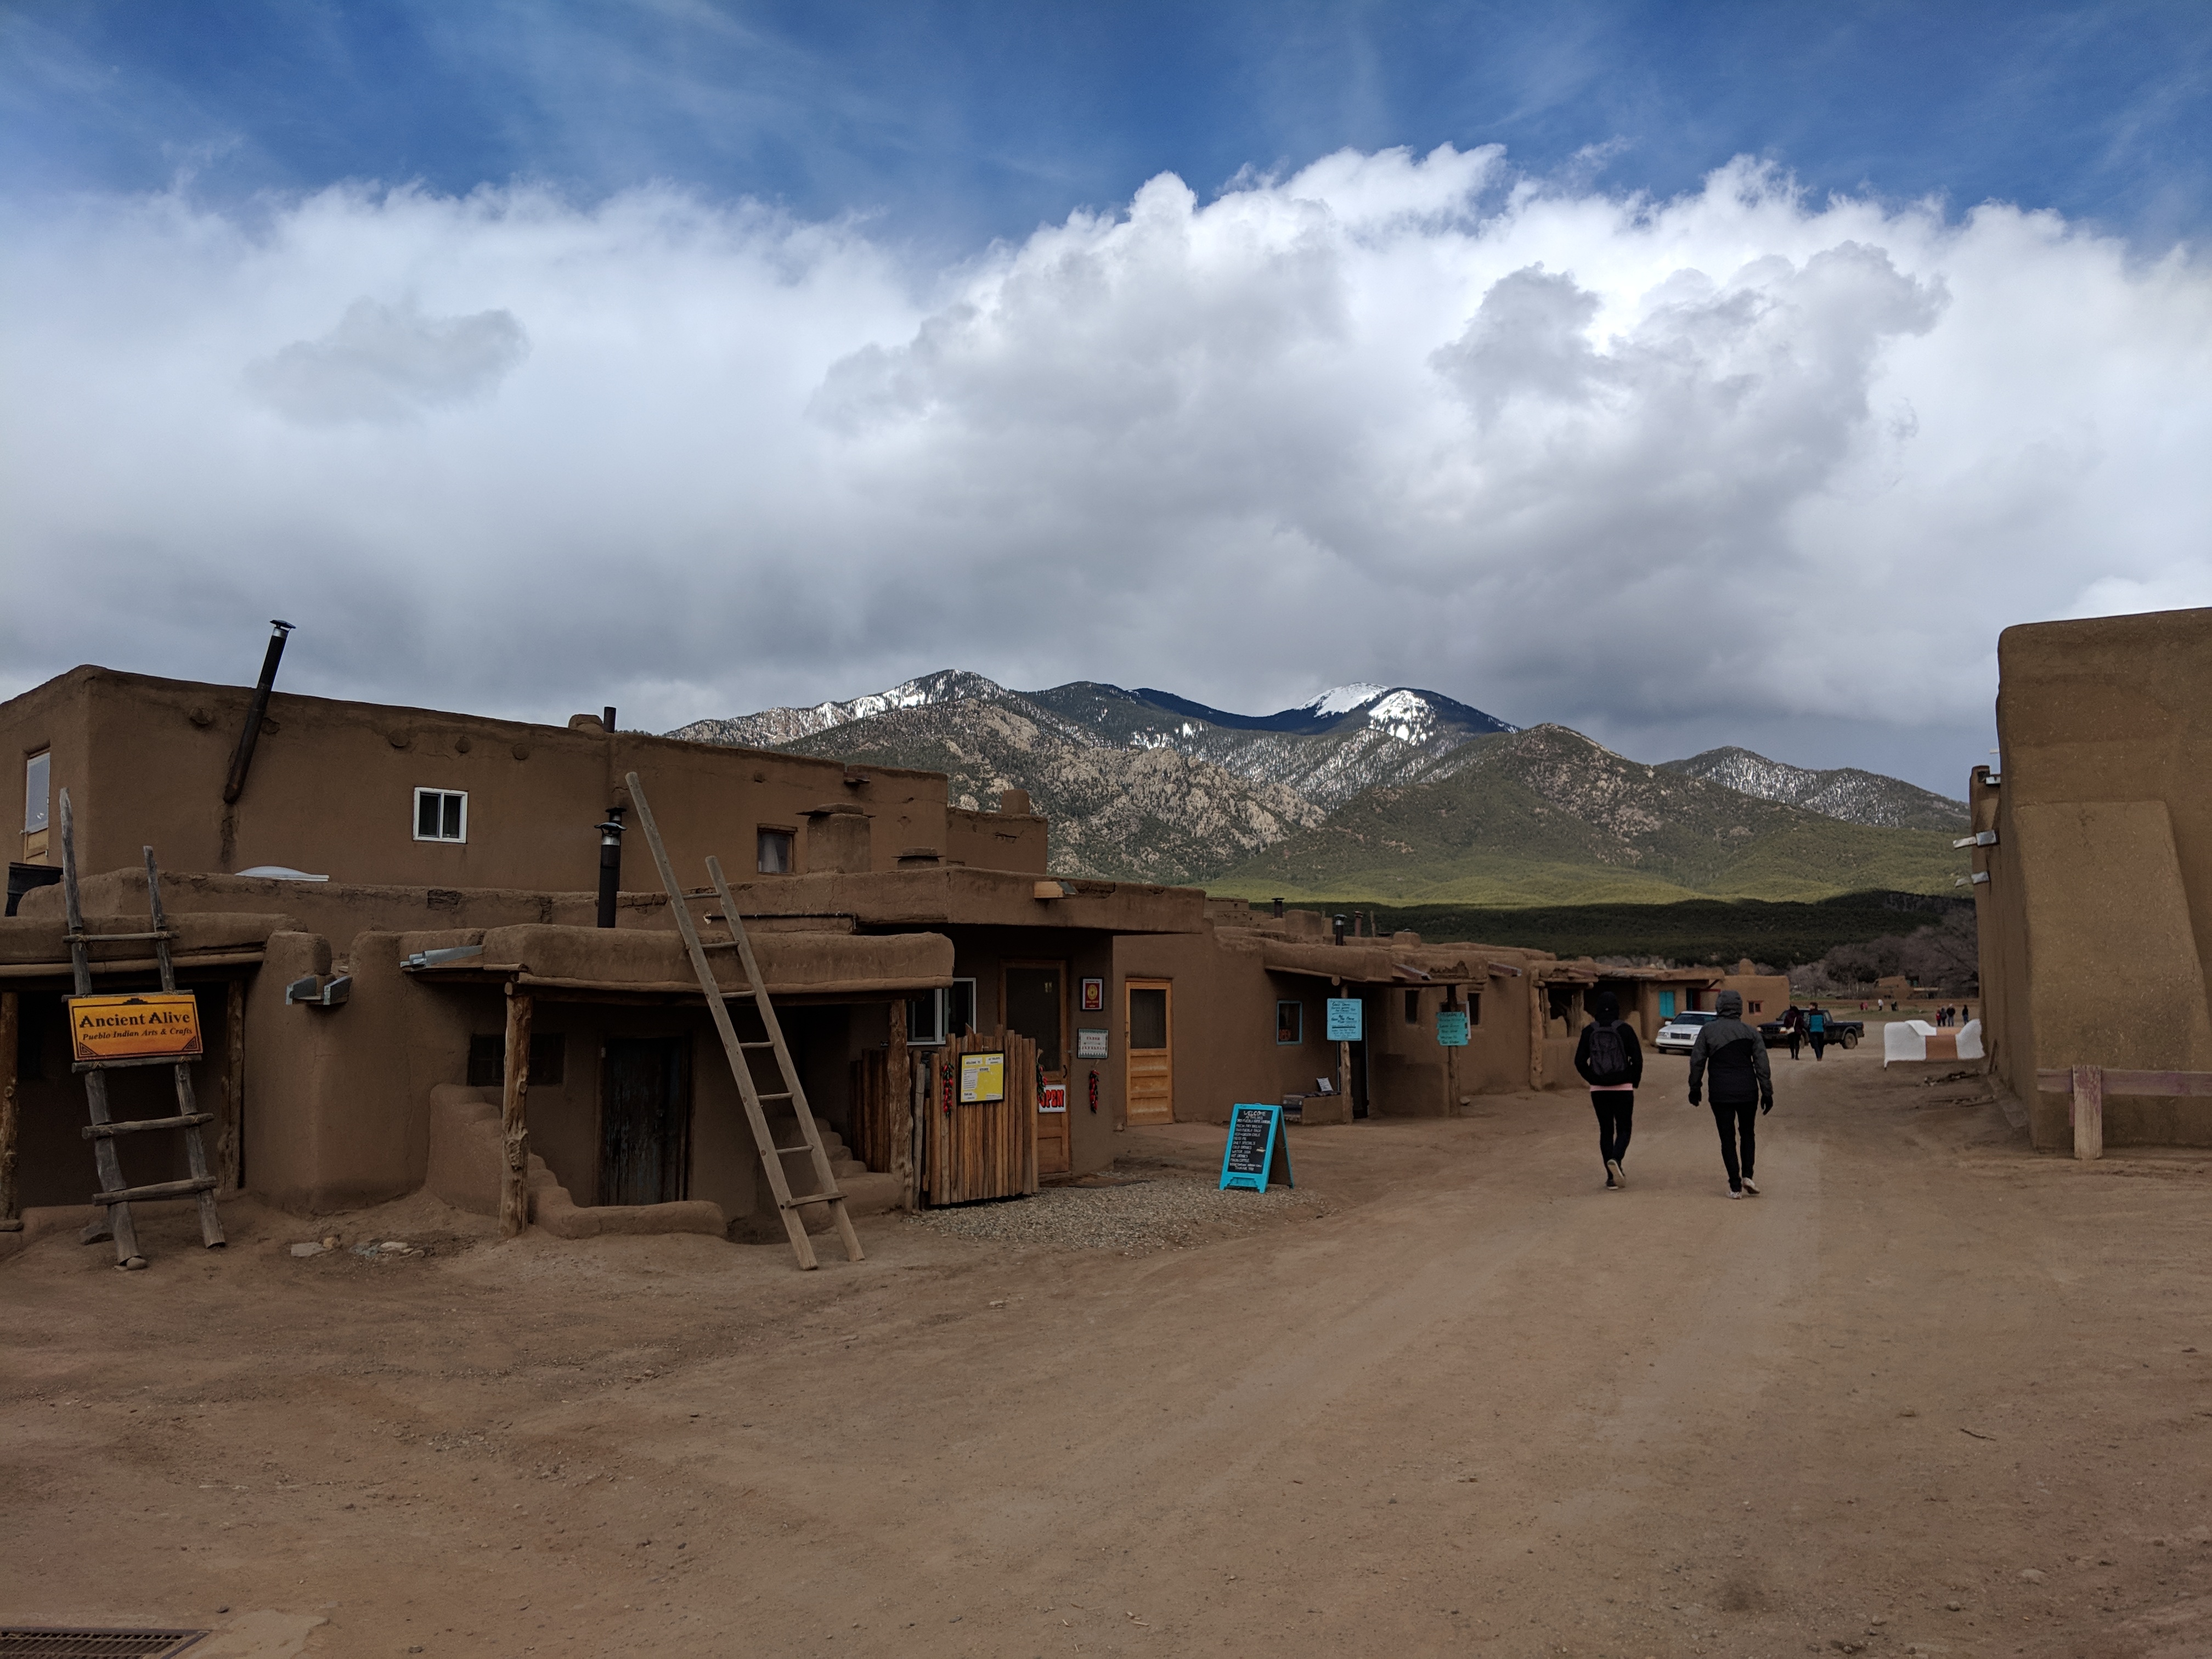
[[1737, 1056]]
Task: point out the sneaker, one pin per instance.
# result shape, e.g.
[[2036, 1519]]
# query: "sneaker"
[[1749, 1185], [1613, 1174], [1620, 1173], [1735, 1192]]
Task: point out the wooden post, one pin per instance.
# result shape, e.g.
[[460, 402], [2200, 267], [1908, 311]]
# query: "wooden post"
[[513, 1120], [11, 1198], [2088, 1112], [230, 1126], [898, 1103]]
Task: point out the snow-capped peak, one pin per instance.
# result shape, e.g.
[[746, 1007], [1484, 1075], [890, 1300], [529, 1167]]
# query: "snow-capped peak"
[[1405, 715], [1344, 698]]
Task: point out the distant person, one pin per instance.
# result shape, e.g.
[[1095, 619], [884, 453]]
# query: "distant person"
[[1611, 1061], [1793, 1027], [1816, 1028], [1742, 1085]]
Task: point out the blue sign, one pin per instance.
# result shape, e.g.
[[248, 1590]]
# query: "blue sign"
[[1344, 1019], [1247, 1160], [1451, 1028]]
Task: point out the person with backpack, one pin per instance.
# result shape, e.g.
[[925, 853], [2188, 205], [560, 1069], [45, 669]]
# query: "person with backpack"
[[1816, 1028], [1611, 1061], [1742, 1084]]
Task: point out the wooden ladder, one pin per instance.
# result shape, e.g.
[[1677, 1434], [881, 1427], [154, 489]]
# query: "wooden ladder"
[[114, 1199], [771, 1155]]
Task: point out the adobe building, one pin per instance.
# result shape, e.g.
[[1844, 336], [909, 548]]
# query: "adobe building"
[[2093, 877]]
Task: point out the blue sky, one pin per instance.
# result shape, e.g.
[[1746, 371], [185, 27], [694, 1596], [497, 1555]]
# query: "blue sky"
[[1240, 349]]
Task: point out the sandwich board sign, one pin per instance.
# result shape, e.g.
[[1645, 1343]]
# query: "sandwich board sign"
[[1451, 1028], [1344, 1019], [1254, 1134], [139, 1028]]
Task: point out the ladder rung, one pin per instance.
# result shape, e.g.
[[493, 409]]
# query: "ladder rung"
[[814, 1198], [782, 1094], [765, 1042], [134, 1126], [159, 1189], [795, 1149]]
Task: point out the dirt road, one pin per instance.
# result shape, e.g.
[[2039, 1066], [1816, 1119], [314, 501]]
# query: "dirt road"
[[1929, 1392]]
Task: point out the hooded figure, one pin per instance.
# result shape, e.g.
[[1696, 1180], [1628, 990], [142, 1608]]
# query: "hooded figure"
[[1742, 1085], [1611, 1061]]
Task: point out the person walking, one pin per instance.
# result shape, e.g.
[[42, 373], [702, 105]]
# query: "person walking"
[[1611, 1061], [1793, 1027], [1816, 1028], [1742, 1085]]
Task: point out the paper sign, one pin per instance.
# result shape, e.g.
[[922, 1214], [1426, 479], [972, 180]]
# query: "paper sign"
[[1090, 1044], [1254, 1134], [983, 1078], [144, 1025], [1344, 1024], [1451, 1028], [1055, 1098]]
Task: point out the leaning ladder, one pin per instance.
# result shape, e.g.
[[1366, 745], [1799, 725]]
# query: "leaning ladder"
[[114, 1199], [771, 1155]]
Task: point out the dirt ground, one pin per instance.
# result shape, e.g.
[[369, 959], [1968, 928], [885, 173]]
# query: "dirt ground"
[[1929, 1393]]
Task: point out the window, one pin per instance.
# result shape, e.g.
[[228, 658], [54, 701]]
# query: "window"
[[1412, 1007], [548, 1055], [441, 815], [1474, 1007], [1756, 1007], [935, 1015], [774, 851], [38, 785], [1290, 1023]]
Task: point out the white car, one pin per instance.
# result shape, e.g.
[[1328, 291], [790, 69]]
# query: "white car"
[[1679, 1034]]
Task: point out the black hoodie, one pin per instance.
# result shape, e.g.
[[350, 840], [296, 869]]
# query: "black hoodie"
[[1738, 1056]]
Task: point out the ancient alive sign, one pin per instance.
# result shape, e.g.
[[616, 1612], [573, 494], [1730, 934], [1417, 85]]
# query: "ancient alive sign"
[[1254, 1134], [983, 1078], [1451, 1028], [143, 1025], [1344, 1019]]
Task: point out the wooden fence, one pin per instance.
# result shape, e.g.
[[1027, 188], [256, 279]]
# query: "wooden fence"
[[982, 1149], [2089, 1084]]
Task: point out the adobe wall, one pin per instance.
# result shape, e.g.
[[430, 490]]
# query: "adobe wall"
[[331, 790], [2098, 909]]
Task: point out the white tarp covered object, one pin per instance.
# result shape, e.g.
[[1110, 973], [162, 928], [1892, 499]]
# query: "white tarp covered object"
[[1915, 1039]]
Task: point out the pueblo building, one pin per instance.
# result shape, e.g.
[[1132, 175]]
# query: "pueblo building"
[[357, 889], [2092, 868]]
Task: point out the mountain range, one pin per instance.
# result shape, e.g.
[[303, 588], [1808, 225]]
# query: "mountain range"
[[1377, 792]]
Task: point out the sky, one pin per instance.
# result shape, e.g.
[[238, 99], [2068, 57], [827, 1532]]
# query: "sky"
[[1690, 374]]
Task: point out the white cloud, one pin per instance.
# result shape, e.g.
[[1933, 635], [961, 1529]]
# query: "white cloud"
[[1738, 466]]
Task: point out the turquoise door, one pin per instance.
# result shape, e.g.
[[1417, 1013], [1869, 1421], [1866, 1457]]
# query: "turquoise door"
[[1666, 1005]]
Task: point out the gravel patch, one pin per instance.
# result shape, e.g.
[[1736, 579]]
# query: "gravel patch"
[[1158, 1213]]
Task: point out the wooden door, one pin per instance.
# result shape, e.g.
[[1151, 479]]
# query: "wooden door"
[[645, 1120], [981, 1149], [1036, 1006], [1148, 1041]]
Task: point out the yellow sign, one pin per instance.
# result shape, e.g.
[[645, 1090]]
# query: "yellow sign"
[[982, 1077], [146, 1026]]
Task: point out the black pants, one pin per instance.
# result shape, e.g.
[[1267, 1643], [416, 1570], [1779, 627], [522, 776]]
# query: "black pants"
[[1616, 1113], [1735, 1121], [1795, 1037], [1819, 1042]]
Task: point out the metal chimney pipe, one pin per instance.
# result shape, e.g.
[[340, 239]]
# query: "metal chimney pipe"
[[235, 785], [607, 719], [610, 834]]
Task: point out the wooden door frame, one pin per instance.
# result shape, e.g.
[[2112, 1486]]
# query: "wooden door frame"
[[1146, 982]]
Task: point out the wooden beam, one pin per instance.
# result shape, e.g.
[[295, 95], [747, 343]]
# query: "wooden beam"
[[11, 1198], [898, 1103], [2088, 1112], [230, 1119], [2186, 1085], [514, 1118]]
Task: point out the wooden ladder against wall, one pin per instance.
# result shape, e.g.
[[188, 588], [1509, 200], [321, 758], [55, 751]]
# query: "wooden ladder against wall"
[[114, 1198], [792, 1092]]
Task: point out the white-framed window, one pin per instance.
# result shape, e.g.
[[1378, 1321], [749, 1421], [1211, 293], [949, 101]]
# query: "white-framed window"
[[935, 1016], [775, 847], [38, 790], [441, 815]]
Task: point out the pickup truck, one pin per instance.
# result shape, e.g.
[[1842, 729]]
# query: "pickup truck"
[[1844, 1033]]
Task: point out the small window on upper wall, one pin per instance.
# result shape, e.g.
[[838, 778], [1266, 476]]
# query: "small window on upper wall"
[[441, 815], [775, 851], [1289, 1023]]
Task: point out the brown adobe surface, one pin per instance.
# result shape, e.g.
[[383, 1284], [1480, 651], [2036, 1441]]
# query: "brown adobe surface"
[[1456, 1398]]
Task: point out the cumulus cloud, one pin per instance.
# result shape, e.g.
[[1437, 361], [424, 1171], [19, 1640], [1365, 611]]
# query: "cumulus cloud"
[[389, 363], [1738, 466]]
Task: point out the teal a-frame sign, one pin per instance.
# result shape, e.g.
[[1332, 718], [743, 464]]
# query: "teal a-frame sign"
[[1249, 1160]]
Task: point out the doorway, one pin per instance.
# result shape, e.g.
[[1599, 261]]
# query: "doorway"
[[1149, 1036], [1036, 1007], [645, 1120]]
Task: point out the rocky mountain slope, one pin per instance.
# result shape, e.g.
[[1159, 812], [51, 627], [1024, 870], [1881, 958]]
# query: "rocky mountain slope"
[[1843, 791], [1376, 791]]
